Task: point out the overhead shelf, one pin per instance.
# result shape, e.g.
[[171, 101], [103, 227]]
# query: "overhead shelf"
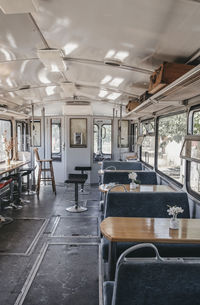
[[185, 87]]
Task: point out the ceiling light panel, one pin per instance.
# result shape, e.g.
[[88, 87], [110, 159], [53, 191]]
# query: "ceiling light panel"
[[121, 55], [50, 90], [116, 81], [70, 47], [52, 59], [110, 53], [103, 93], [113, 96], [18, 6], [106, 79]]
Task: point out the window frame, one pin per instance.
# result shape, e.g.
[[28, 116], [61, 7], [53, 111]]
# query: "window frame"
[[53, 157], [11, 127], [120, 134], [191, 113], [102, 138], [180, 185], [142, 136]]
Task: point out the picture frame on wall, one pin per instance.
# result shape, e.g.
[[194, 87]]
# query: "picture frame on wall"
[[36, 133], [78, 132]]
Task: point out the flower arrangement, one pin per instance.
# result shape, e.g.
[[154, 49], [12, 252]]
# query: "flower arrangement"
[[133, 177], [174, 210]]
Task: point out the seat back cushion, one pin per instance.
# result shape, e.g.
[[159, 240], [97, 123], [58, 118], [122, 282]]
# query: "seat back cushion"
[[156, 283], [122, 177], [123, 165], [145, 204]]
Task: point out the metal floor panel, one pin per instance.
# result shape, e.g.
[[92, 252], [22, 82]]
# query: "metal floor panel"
[[20, 237], [64, 274], [76, 226]]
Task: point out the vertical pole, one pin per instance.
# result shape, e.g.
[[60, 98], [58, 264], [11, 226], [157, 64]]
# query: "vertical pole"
[[43, 132], [32, 147], [120, 133]]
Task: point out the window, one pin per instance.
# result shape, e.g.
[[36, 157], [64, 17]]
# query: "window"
[[171, 133], [96, 138], [106, 138], [5, 126], [123, 140], [147, 141], [102, 139], [56, 139], [192, 153]]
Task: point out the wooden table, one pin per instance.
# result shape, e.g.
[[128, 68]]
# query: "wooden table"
[[104, 188], [151, 230], [13, 165]]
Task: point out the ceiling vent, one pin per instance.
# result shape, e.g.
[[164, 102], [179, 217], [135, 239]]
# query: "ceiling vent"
[[18, 6], [68, 88], [113, 62], [52, 59]]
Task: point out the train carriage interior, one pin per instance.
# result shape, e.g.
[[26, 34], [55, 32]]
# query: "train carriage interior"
[[99, 152]]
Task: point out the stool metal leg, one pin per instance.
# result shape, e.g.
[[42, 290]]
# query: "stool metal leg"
[[76, 208], [82, 191]]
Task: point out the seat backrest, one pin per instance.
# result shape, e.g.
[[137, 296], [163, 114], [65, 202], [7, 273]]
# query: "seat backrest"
[[122, 177], [36, 154], [123, 165], [157, 283], [145, 204]]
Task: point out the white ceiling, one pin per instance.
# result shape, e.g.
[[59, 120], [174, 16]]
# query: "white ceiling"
[[145, 33]]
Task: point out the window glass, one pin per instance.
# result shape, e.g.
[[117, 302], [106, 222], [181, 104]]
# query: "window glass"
[[171, 133], [106, 139], [5, 130], [196, 123], [148, 142], [148, 149], [56, 139], [194, 166], [124, 133], [96, 138], [102, 135]]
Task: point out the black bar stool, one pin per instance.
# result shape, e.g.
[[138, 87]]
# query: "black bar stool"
[[3, 184], [83, 169], [76, 179], [27, 172]]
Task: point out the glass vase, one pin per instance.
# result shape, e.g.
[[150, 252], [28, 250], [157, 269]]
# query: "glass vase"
[[174, 222], [133, 185]]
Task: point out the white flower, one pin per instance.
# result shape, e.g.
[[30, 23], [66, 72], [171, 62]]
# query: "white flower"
[[132, 176], [174, 210]]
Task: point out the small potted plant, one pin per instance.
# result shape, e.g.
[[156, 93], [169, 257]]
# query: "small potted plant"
[[135, 182], [174, 211]]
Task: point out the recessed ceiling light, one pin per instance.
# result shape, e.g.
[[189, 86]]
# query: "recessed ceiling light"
[[116, 81], [113, 96], [106, 79], [110, 53], [103, 93], [50, 90], [121, 55], [70, 47]]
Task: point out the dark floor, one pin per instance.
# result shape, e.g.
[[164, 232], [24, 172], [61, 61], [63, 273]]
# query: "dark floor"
[[50, 256]]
